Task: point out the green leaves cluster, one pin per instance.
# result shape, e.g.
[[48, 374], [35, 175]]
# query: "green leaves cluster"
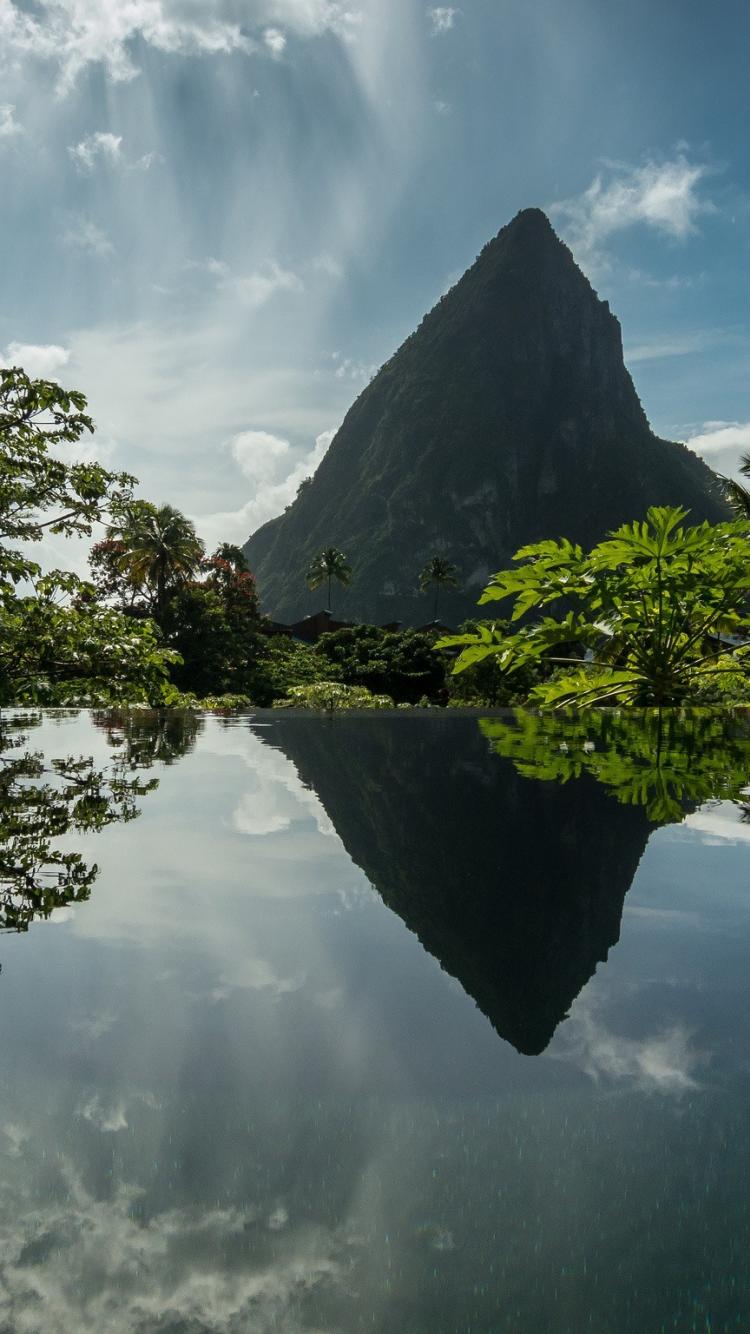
[[58, 645], [400, 663], [649, 616], [330, 564], [333, 697]]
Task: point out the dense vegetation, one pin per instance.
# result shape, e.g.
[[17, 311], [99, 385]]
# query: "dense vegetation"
[[656, 614]]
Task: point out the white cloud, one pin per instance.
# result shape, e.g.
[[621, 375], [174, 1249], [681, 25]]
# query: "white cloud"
[[662, 195], [442, 18], [40, 360], [169, 1270], [347, 368], [716, 438], [74, 34], [255, 289], [101, 146], [9, 126], [328, 265], [257, 975], [107, 1119], [83, 234], [216, 268], [268, 463], [673, 346], [275, 41], [721, 444], [145, 162], [720, 822], [664, 1062]]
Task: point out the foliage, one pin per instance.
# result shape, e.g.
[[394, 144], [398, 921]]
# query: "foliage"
[[285, 662], [486, 684], [42, 802], [39, 491], [57, 645], [54, 652], [665, 761], [738, 495], [161, 550], [333, 697], [402, 663], [653, 604], [440, 574], [328, 565]]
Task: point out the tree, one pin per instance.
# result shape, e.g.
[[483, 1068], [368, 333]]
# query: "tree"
[[161, 550], [400, 663], [660, 609], [330, 564], [737, 495], [441, 574], [214, 625], [57, 643]]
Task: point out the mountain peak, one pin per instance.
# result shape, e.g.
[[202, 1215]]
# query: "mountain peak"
[[507, 417]]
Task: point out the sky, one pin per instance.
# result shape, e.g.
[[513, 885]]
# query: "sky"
[[220, 217]]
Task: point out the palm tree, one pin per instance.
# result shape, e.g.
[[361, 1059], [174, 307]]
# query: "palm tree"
[[330, 564], [162, 548], [736, 494], [440, 573]]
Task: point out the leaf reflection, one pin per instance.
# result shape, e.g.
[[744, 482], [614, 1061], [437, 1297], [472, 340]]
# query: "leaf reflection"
[[666, 761], [44, 801]]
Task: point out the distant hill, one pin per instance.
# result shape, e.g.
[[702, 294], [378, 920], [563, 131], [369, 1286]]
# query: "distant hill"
[[509, 416]]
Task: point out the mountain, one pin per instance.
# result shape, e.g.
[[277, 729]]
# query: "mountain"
[[515, 886], [508, 417]]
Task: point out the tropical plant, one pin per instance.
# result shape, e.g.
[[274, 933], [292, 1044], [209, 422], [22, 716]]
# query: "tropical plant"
[[161, 550], [437, 573], [400, 663], [664, 760], [330, 564], [737, 495], [332, 697], [657, 608], [57, 643]]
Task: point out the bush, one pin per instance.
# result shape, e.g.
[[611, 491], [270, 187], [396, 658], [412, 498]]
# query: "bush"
[[400, 663], [333, 697]]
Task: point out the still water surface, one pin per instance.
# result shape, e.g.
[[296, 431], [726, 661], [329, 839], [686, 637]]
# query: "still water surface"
[[376, 1024]]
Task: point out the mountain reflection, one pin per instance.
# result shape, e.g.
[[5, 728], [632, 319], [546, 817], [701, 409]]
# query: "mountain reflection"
[[44, 800], [515, 886]]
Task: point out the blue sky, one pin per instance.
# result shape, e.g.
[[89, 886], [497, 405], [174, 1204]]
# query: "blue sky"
[[219, 217]]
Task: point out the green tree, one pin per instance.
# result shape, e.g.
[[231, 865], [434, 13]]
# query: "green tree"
[[330, 564], [58, 644], [437, 573], [161, 550], [214, 625], [399, 663], [738, 495], [660, 608]]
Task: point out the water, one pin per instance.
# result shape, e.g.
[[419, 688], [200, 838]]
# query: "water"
[[373, 1024]]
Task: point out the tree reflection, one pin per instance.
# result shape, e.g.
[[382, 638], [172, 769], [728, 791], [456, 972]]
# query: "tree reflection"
[[43, 802], [667, 761]]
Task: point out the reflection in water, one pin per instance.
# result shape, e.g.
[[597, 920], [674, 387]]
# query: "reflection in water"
[[516, 887], [235, 1094], [664, 760], [42, 800]]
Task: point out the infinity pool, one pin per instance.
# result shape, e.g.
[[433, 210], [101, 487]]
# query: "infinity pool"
[[400, 1023]]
